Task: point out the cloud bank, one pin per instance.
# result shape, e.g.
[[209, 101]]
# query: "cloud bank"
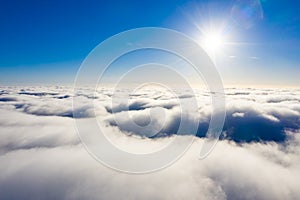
[[41, 156]]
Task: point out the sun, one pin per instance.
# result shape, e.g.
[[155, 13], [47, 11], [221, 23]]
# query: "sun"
[[213, 43]]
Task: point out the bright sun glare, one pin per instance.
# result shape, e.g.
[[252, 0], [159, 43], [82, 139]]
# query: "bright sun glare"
[[213, 43]]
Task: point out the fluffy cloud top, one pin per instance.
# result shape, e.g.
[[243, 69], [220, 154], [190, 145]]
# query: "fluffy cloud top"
[[41, 156]]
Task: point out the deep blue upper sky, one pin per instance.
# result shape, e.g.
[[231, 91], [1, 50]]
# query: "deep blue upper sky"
[[36, 32], [47, 40]]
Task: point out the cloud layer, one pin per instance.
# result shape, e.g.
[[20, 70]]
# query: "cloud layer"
[[41, 156]]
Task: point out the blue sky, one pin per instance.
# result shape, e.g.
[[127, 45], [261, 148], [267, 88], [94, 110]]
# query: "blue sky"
[[45, 41]]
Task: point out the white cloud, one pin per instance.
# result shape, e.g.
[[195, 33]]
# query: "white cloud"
[[238, 114], [41, 157]]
